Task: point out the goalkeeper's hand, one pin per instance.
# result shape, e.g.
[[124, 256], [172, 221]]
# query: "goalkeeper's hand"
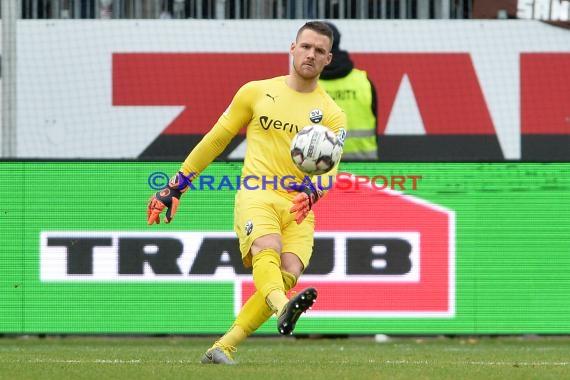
[[304, 201], [168, 198]]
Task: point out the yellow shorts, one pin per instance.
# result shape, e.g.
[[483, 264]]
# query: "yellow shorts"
[[261, 212]]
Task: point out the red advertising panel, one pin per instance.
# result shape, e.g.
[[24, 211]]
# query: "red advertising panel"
[[204, 83], [383, 230]]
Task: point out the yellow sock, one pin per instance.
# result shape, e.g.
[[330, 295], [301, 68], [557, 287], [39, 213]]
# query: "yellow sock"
[[234, 336], [289, 280], [268, 278], [255, 312]]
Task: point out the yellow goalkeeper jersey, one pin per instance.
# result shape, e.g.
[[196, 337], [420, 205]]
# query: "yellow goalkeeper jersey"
[[273, 113]]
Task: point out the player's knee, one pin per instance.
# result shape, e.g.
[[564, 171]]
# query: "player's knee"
[[270, 241]]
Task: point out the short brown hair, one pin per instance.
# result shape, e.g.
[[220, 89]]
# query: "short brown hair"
[[319, 27]]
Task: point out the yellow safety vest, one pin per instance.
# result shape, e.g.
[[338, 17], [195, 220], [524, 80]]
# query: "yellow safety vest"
[[353, 94]]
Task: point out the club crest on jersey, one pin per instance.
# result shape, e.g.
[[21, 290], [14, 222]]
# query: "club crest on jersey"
[[248, 227], [316, 116]]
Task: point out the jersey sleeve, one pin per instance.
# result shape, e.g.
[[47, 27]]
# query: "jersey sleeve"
[[236, 116]]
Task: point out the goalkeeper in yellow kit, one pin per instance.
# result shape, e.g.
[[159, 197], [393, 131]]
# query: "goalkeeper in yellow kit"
[[274, 223]]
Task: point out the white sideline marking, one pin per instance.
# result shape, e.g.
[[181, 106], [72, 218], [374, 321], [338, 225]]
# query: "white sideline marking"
[[486, 363], [394, 362], [95, 361]]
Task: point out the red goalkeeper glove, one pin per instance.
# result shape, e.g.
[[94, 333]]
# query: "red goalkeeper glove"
[[304, 201], [168, 198]]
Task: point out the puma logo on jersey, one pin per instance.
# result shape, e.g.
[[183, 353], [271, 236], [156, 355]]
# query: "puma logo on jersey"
[[272, 97]]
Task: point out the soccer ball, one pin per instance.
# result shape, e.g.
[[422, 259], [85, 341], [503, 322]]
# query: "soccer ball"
[[315, 149]]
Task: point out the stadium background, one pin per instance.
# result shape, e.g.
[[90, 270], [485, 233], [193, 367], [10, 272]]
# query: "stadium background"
[[477, 108]]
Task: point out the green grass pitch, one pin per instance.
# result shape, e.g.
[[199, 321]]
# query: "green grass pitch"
[[177, 357]]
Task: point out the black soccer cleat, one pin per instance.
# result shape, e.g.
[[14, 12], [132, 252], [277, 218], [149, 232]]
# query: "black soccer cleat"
[[296, 306]]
